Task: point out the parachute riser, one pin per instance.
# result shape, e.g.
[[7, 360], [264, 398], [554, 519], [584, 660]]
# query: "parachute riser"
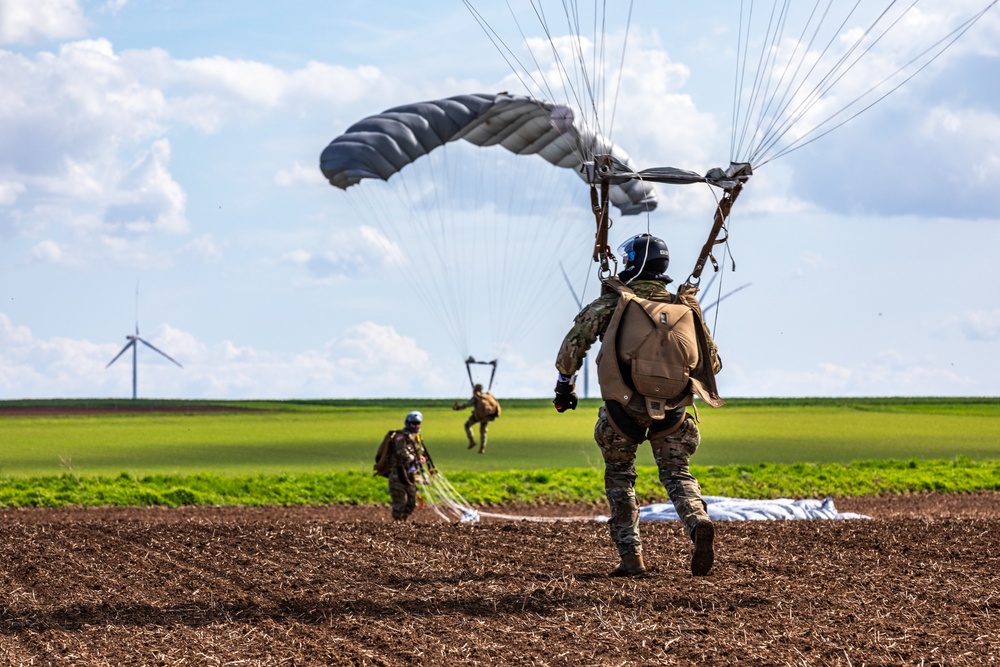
[[722, 211], [600, 204], [468, 369]]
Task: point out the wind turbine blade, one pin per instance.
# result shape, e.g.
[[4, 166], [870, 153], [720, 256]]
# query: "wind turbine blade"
[[127, 346], [154, 349], [572, 291], [724, 297]]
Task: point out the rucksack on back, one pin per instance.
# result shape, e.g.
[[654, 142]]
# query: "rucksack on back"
[[490, 405], [659, 342], [383, 456]]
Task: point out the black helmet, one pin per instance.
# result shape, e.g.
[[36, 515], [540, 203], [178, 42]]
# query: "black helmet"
[[644, 257]]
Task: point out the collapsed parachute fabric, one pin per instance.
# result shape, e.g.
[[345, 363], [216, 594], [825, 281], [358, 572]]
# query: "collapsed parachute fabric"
[[381, 145]]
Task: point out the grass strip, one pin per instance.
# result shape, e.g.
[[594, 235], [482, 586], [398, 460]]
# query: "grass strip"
[[765, 480]]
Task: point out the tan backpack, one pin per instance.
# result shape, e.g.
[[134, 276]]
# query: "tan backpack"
[[383, 456], [661, 344], [491, 406]]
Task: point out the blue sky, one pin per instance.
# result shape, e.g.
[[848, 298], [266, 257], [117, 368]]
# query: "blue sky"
[[174, 145]]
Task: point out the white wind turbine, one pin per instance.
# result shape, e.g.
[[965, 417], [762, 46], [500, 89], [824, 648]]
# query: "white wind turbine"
[[132, 340]]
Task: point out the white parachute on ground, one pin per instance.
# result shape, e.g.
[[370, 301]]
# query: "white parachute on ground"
[[721, 508], [451, 506]]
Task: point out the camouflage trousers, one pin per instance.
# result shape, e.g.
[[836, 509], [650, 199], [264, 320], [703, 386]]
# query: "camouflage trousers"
[[402, 492], [484, 426], [672, 453]]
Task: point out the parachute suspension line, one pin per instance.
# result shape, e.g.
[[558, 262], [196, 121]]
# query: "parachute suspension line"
[[721, 271], [789, 94], [448, 295], [369, 206], [741, 57], [583, 101], [449, 504], [947, 41], [505, 51], [827, 81], [508, 55], [758, 74], [621, 69]]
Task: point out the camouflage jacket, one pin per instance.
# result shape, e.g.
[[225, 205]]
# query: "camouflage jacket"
[[591, 323], [406, 449]]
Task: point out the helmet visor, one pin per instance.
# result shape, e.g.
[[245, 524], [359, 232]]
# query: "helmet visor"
[[633, 253]]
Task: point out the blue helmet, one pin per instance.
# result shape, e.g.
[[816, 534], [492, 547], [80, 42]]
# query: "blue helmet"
[[414, 417]]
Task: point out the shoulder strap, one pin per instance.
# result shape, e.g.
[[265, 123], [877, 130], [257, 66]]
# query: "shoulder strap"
[[618, 286]]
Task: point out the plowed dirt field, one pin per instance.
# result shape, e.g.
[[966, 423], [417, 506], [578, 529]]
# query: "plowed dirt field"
[[917, 585]]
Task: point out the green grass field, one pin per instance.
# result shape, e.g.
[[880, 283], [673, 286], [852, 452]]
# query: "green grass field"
[[297, 437], [760, 446]]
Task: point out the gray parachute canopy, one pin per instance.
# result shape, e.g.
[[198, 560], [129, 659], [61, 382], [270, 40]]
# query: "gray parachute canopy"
[[381, 145]]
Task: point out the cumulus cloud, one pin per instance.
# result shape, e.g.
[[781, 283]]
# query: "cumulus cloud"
[[890, 373], [357, 251], [84, 158], [981, 325], [27, 21], [368, 359], [296, 175]]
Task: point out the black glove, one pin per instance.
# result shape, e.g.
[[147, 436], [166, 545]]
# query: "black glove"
[[565, 397]]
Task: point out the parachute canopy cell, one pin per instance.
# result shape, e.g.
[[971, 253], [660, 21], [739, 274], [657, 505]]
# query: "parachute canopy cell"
[[381, 145]]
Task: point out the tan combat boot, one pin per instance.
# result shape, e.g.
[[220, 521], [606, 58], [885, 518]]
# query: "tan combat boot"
[[703, 555], [631, 566]]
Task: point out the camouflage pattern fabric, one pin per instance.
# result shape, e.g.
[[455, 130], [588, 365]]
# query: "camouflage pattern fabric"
[[672, 449], [402, 474], [484, 426], [672, 453], [402, 492]]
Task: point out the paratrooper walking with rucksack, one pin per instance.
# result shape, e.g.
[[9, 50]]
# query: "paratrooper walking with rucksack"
[[485, 408], [656, 354], [401, 457]]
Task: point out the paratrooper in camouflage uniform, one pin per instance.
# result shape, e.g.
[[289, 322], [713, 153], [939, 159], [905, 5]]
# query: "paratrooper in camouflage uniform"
[[406, 459], [621, 428], [480, 415]]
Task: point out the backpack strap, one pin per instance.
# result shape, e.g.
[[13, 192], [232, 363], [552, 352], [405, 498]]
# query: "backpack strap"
[[620, 287]]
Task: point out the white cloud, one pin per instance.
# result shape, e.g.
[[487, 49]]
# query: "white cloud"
[[9, 192], [48, 251], [84, 158], [369, 359], [147, 197], [981, 325], [356, 251], [297, 175], [27, 21], [205, 247], [889, 373]]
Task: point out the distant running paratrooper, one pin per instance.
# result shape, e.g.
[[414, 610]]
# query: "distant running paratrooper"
[[485, 408]]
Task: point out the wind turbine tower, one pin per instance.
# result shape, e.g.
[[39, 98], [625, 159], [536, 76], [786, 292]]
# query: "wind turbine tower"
[[132, 340]]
